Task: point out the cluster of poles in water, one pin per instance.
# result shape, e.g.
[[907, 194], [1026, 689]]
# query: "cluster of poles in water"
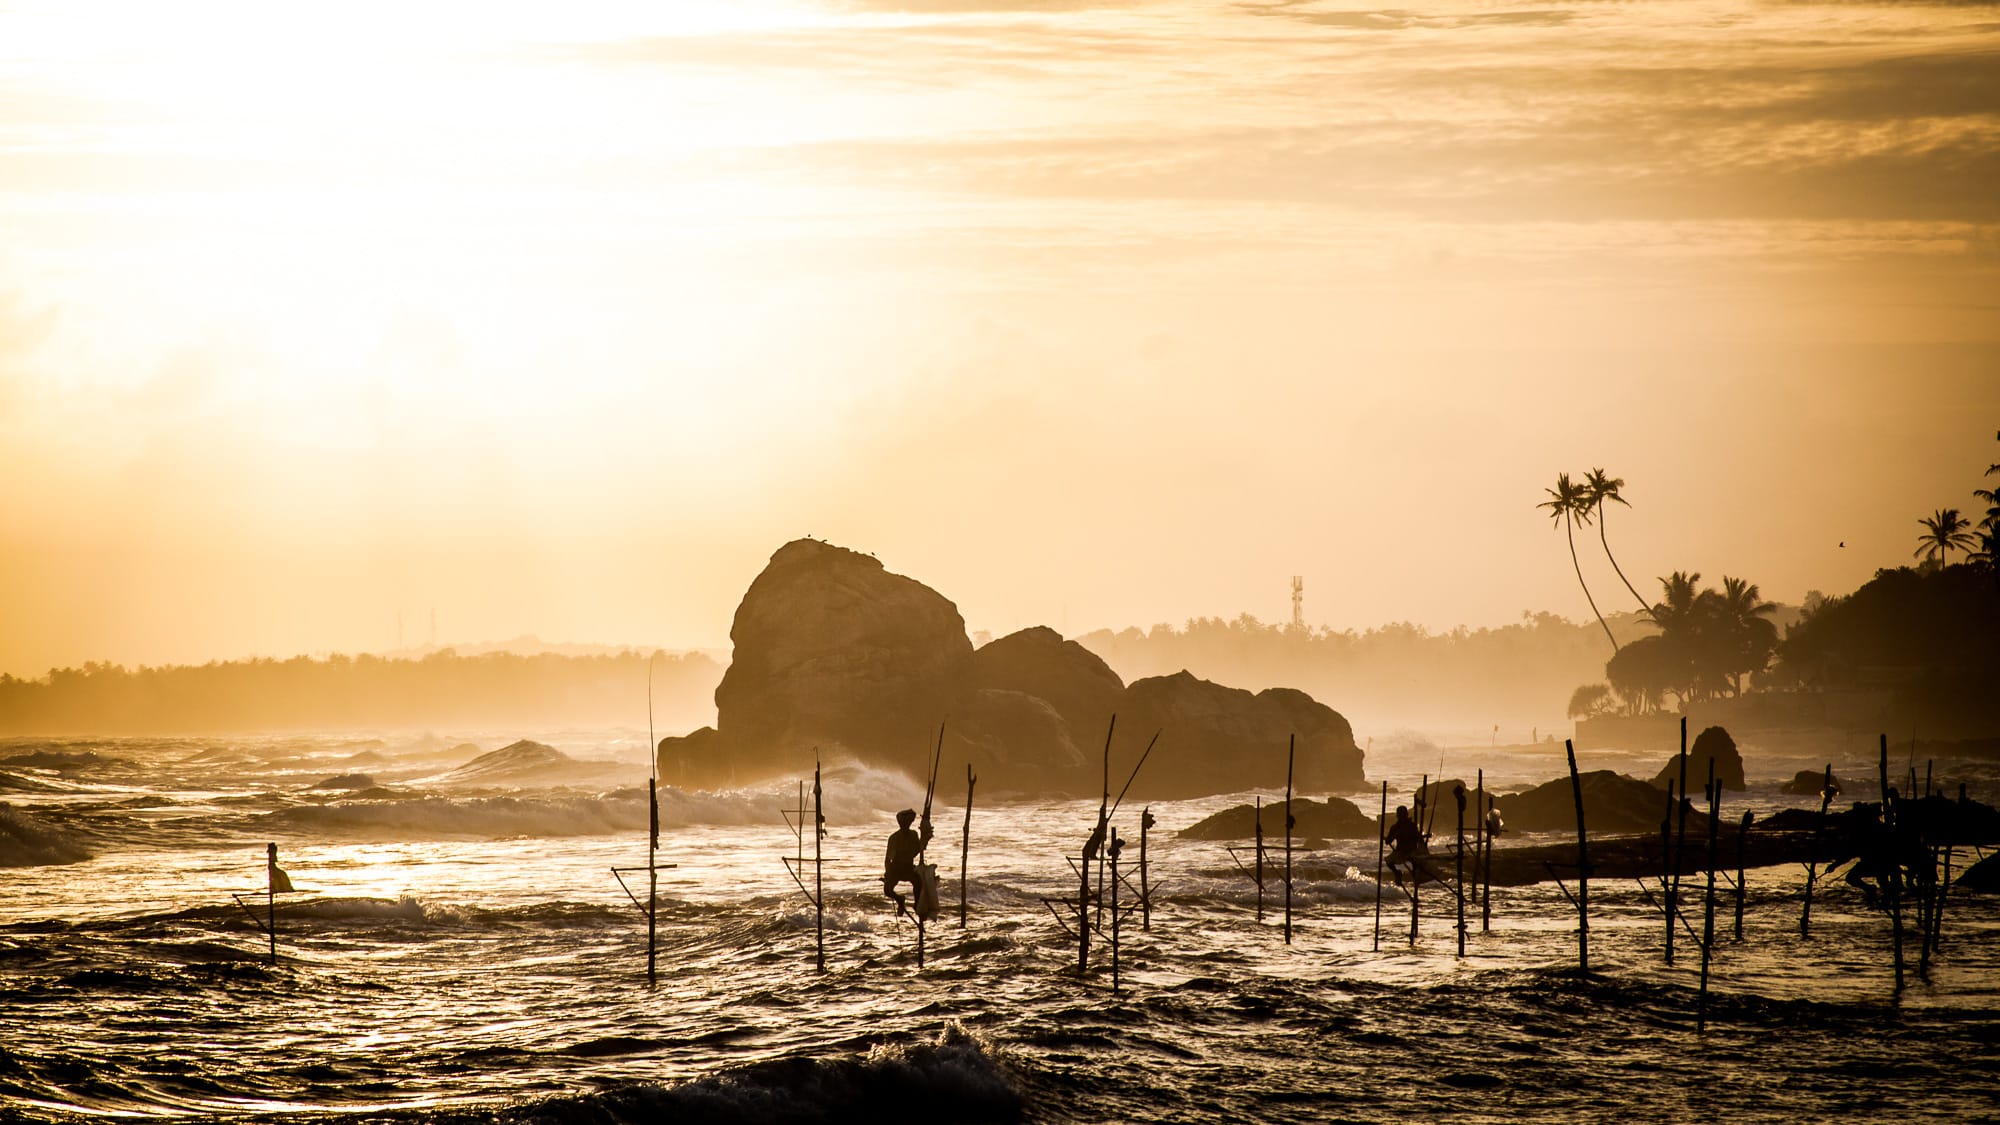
[[1909, 855]]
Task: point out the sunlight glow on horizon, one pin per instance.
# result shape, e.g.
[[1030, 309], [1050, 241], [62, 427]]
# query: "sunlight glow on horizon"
[[564, 320]]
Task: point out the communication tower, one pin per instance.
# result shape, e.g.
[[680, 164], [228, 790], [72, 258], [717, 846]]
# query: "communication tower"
[[1298, 603]]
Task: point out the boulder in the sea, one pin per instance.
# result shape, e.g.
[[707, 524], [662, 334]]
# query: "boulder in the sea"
[[1335, 818], [345, 781], [1805, 783], [1713, 744], [832, 650], [1073, 680], [1612, 804], [1983, 877], [1216, 739]]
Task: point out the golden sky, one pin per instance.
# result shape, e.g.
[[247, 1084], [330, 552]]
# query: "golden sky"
[[561, 318]]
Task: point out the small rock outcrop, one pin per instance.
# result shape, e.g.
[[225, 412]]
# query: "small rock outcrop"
[[1711, 744], [1335, 818], [345, 781], [512, 762], [1805, 783], [1612, 804]]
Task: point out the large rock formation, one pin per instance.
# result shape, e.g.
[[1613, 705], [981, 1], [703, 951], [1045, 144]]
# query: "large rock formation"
[[835, 653], [1711, 744], [1216, 739]]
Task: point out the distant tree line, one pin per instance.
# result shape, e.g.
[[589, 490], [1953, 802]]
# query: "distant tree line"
[[1393, 673], [442, 689]]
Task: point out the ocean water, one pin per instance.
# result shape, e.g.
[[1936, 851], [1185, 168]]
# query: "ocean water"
[[459, 951]]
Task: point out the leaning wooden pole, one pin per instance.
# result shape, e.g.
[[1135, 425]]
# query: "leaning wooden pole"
[[965, 845], [1381, 826], [1291, 751], [1458, 791], [1714, 791], [1812, 857], [1582, 865]]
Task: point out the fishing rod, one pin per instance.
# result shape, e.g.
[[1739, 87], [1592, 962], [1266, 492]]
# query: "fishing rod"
[[937, 759], [1130, 780]]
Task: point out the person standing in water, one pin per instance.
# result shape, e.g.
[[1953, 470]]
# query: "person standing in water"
[[899, 865]]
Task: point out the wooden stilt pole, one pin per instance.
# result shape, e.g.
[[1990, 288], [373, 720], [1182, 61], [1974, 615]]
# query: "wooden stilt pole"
[[1479, 845], [965, 845], [1680, 846], [819, 876], [1260, 859], [1381, 826], [653, 882], [1667, 870], [1096, 843], [1112, 851], [1892, 870], [1146, 823], [1742, 887], [271, 897], [1714, 791], [1486, 867], [1582, 866], [1458, 791], [1415, 877], [1812, 859], [1291, 750]]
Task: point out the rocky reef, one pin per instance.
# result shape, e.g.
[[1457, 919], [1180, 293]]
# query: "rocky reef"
[[836, 655]]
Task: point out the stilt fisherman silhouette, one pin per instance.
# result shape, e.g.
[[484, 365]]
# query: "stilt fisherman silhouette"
[[899, 864]]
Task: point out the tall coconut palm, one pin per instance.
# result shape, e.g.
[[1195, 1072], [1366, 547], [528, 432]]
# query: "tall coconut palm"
[[1568, 503], [1599, 487], [1944, 533]]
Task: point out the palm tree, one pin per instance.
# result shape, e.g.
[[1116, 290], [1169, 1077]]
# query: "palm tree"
[[1599, 487], [1684, 616], [1944, 533], [1992, 498], [1751, 638], [1567, 504]]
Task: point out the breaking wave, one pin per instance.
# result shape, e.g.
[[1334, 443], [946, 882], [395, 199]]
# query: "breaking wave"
[[952, 1079], [28, 841]]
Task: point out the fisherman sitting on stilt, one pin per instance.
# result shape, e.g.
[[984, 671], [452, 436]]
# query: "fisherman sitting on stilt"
[[900, 864], [1407, 846]]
